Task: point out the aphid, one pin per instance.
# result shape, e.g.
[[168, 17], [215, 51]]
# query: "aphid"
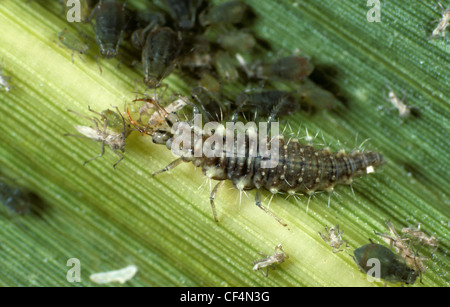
[[291, 68], [208, 104], [404, 250], [183, 12], [392, 267], [279, 256], [333, 237], [15, 198], [109, 25], [230, 12], [225, 66], [443, 23], [120, 276], [152, 20], [403, 109], [159, 55], [4, 79], [267, 102], [298, 168], [420, 237], [315, 96], [237, 41], [73, 42], [111, 129]]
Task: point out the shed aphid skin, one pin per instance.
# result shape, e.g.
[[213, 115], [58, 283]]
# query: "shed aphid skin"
[[392, 267], [15, 198], [299, 168], [443, 23], [161, 51], [110, 22], [121, 276], [403, 110], [419, 237], [111, 129], [270, 261], [73, 42], [404, 249], [333, 237], [4, 80]]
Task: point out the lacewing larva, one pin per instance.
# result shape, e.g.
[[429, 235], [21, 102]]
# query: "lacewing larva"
[[299, 168]]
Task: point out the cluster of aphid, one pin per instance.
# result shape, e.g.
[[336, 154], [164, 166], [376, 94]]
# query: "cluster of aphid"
[[210, 45], [206, 42], [401, 265]]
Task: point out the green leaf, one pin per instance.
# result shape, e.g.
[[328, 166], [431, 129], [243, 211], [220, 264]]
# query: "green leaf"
[[109, 219]]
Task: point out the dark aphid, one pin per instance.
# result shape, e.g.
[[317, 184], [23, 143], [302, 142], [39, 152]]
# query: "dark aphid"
[[4, 79], [150, 20], [161, 51], [73, 42], [15, 198], [110, 22], [209, 105], [289, 166], [183, 12], [265, 103], [291, 68], [111, 129], [231, 12], [391, 267], [270, 261]]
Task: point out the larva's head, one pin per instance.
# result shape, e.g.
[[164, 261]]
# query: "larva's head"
[[365, 162]]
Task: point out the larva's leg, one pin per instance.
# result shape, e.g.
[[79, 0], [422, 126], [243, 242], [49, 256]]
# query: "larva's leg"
[[212, 196], [172, 165], [258, 203]]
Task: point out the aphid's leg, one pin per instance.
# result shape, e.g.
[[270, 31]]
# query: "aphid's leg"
[[79, 114], [101, 154], [258, 203], [172, 165], [118, 161], [98, 64], [95, 112], [212, 196], [266, 272]]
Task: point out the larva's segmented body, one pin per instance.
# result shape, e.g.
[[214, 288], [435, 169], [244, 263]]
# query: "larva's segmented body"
[[298, 168]]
